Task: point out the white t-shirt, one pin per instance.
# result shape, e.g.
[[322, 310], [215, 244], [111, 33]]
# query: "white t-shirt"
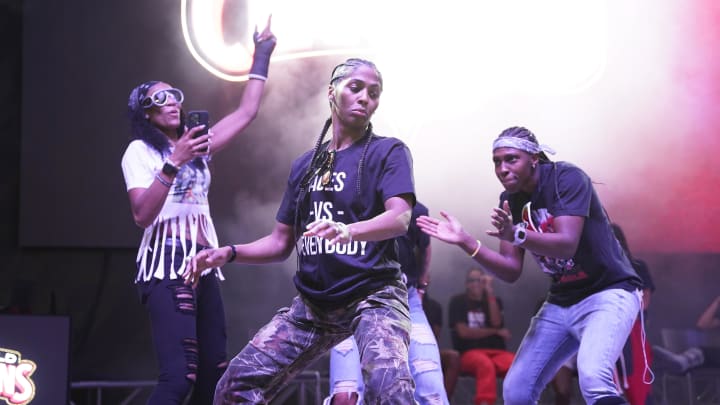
[[185, 211]]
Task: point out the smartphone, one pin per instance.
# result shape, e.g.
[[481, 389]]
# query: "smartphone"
[[195, 118], [199, 117]]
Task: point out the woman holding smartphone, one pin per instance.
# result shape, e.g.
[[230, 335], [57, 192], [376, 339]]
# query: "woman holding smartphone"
[[167, 178]]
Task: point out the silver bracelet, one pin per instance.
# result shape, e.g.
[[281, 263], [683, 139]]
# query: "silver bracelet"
[[163, 181]]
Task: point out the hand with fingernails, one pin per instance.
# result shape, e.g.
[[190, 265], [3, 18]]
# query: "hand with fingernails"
[[503, 221], [335, 232]]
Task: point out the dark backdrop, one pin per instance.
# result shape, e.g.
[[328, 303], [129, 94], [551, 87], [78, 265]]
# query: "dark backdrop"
[[87, 275]]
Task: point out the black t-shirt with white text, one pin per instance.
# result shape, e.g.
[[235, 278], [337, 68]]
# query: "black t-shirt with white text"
[[599, 262], [333, 275], [475, 314]]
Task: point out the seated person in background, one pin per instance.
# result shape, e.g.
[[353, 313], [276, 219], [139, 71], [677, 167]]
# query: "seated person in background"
[[476, 325], [679, 363], [710, 321], [449, 358]]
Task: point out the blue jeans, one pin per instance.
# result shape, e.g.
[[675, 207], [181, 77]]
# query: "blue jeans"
[[424, 359], [596, 328], [296, 336]]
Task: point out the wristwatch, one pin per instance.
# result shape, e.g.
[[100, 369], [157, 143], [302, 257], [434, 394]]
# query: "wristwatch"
[[520, 234], [169, 168]]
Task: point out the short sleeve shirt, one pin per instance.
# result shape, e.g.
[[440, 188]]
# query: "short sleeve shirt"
[[332, 275], [599, 262], [475, 314]]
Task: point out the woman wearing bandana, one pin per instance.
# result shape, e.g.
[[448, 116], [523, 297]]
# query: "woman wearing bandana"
[[552, 210], [167, 178]]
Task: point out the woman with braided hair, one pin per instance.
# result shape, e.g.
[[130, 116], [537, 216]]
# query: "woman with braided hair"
[[551, 209], [345, 202], [167, 176]]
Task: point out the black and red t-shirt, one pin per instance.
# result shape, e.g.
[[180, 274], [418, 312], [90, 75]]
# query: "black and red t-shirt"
[[600, 262]]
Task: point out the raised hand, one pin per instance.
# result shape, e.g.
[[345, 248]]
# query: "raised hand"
[[265, 35], [264, 45], [502, 220]]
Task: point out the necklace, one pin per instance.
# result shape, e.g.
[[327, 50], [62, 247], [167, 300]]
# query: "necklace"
[[327, 166]]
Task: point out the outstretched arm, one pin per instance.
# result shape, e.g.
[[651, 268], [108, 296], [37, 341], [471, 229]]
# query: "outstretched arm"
[[392, 223], [708, 320], [506, 264], [272, 248], [235, 122]]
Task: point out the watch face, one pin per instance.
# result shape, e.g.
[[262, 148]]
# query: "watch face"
[[169, 169], [520, 234]]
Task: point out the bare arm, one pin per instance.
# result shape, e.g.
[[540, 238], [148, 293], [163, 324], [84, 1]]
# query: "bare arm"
[[708, 320], [562, 243], [146, 203], [235, 122], [392, 223], [505, 264], [466, 332], [493, 305], [274, 247]]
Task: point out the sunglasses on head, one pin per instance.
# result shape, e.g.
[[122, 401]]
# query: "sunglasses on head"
[[162, 97], [322, 165]]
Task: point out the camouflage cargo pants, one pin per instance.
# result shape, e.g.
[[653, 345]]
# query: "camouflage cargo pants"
[[296, 336]]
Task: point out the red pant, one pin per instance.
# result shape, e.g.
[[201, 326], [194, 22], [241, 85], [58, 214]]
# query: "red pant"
[[638, 392], [486, 365]]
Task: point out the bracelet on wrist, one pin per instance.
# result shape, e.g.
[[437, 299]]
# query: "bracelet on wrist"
[[233, 254], [477, 249], [163, 181]]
